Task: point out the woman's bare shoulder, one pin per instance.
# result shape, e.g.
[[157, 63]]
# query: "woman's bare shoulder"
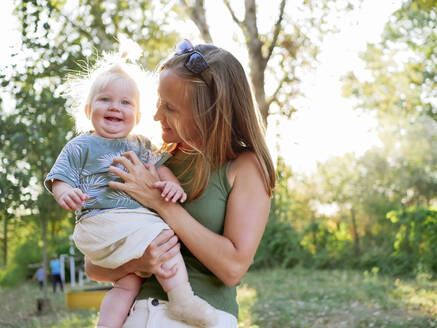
[[245, 164]]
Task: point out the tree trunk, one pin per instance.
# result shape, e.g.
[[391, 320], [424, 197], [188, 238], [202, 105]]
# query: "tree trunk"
[[314, 233], [355, 234], [44, 255], [43, 303], [5, 241], [408, 248], [197, 15], [53, 228], [407, 244], [257, 60]]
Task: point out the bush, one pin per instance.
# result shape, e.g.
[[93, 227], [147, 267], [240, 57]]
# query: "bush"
[[280, 246], [416, 238], [27, 253]]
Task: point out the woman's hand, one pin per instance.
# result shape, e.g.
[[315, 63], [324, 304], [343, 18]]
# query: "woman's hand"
[[163, 248], [138, 181]]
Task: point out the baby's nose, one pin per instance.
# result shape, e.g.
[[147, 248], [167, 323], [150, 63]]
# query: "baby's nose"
[[114, 106]]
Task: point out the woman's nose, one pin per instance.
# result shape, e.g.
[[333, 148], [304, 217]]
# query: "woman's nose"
[[158, 115]]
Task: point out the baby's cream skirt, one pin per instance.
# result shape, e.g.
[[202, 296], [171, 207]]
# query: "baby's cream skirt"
[[114, 237]]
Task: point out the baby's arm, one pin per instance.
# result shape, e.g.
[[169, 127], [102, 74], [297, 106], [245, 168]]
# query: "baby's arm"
[[169, 185], [68, 197]]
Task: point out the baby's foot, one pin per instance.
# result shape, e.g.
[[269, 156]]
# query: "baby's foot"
[[194, 311]]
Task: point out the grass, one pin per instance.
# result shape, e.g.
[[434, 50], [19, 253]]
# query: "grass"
[[295, 298], [18, 310], [301, 298]]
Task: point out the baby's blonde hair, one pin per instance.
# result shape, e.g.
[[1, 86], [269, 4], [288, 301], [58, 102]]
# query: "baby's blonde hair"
[[81, 87]]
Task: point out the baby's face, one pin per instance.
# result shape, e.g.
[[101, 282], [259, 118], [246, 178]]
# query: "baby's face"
[[114, 109]]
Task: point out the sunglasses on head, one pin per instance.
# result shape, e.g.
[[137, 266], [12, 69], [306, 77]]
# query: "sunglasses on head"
[[195, 62]]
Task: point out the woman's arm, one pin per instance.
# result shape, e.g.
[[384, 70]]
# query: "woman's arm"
[[97, 273], [246, 216]]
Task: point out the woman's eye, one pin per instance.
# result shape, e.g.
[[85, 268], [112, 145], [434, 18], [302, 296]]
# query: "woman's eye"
[[168, 108], [164, 106]]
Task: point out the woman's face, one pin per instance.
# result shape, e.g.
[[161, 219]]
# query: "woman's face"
[[174, 108]]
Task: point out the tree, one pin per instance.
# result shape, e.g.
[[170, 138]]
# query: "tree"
[[410, 145], [277, 55], [339, 179], [13, 194], [57, 39], [401, 89], [403, 65], [399, 178]]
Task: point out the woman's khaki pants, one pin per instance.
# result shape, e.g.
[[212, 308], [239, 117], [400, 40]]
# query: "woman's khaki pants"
[[151, 313]]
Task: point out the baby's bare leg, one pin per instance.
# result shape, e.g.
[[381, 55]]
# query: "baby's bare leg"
[[117, 302], [179, 278]]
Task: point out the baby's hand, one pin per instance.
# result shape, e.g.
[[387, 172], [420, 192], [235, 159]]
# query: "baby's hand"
[[171, 191], [72, 199]]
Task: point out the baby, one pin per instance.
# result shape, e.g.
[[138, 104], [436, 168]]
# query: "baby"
[[111, 227]]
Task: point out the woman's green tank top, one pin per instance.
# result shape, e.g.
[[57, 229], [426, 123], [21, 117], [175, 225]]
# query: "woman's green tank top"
[[209, 209]]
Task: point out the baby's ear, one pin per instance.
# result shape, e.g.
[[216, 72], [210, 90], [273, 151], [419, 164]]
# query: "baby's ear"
[[138, 117], [88, 111]]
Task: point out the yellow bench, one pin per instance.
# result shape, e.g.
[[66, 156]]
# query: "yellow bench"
[[85, 299]]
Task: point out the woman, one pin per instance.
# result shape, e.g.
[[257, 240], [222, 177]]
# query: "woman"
[[210, 125]]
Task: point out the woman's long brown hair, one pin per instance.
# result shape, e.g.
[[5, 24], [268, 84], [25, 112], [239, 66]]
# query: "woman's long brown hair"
[[225, 118]]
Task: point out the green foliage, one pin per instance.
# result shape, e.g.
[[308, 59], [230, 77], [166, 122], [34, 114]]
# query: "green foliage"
[[331, 246], [280, 245], [29, 250], [401, 173], [13, 194], [299, 234], [416, 238], [27, 253], [403, 65]]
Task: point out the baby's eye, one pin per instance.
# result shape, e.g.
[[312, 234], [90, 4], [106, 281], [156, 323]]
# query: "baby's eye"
[[104, 98], [125, 102]]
